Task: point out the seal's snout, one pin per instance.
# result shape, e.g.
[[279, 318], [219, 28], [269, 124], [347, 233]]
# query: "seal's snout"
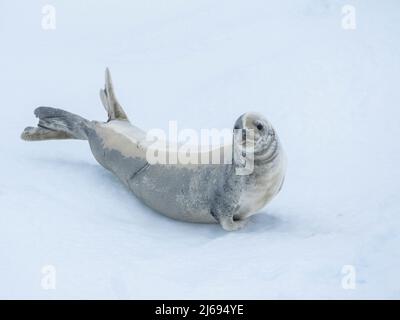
[[249, 126], [239, 123]]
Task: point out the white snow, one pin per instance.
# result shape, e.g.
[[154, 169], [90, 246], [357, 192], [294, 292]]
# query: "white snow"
[[332, 94]]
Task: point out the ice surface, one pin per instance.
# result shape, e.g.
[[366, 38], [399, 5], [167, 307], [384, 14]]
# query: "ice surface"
[[332, 94]]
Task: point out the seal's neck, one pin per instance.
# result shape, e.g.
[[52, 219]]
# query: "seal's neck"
[[268, 155]]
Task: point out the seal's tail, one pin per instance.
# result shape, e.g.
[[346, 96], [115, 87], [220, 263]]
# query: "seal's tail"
[[56, 124]]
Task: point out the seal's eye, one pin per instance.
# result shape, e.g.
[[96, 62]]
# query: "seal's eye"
[[260, 126], [236, 127]]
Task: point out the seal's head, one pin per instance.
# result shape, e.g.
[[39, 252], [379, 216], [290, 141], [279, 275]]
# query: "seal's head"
[[252, 130]]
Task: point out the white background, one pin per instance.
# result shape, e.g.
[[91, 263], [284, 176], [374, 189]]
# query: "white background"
[[332, 94]]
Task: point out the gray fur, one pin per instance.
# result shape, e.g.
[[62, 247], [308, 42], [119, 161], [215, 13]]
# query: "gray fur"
[[56, 124], [110, 102], [205, 193], [38, 134]]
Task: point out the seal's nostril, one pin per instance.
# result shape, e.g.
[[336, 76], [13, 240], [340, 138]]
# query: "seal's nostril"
[[243, 134]]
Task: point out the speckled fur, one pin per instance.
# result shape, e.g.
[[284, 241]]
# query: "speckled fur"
[[205, 193]]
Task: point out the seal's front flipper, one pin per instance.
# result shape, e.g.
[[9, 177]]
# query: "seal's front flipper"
[[229, 224], [109, 100]]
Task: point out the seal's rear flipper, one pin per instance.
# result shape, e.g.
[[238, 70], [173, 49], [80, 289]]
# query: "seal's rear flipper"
[[56, 124], [109, 100], [38, 133]]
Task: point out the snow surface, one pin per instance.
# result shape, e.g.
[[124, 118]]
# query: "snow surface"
[[332, 94]]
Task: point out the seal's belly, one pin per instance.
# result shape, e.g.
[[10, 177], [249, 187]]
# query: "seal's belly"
[[180, 192]]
